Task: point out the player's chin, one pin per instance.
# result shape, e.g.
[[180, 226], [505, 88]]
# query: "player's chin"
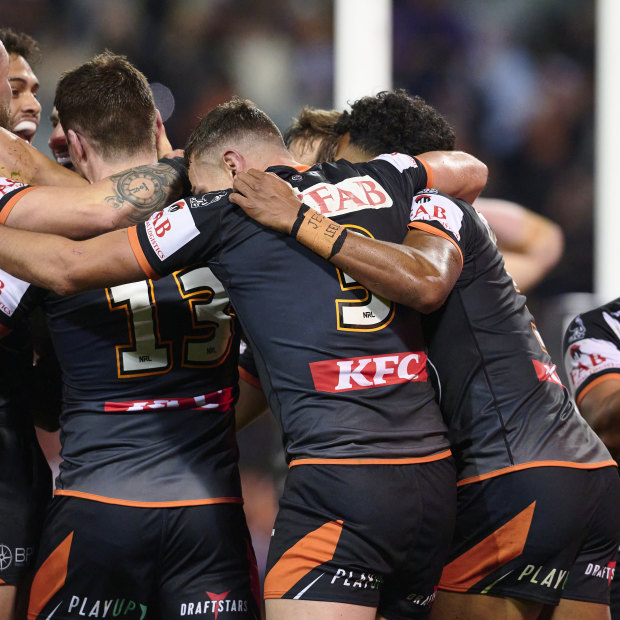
[[26, 136]]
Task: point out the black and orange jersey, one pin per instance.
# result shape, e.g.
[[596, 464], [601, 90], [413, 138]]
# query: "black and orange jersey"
[[343, 370], [592, 348], [501, 395], [149, 381]]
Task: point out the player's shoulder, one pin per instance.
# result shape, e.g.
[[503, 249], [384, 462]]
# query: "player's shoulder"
[[602, 321]]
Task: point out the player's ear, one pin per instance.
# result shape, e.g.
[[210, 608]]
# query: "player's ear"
[[233, 162], [75, 143]]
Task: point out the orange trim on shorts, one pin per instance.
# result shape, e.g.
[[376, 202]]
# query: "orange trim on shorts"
[[250, 378], [49, 578], [438, 233], [136, 504], [612, 375], [11, 202], [509, 470], [305, 555], [404, 461], [430, 179], [503, 545], [136, 248]]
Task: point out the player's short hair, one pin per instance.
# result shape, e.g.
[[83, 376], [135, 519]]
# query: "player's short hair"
[[312, 124], [108, 100], [395, 121], [234, 120], [20, 44]]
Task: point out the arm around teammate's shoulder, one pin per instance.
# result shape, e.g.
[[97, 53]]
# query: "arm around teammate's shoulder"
[[456, 173]]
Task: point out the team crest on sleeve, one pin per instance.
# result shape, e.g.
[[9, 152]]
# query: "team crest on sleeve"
[[399, 161], [431, 207], [8, 185], [171, 229], [11, 292]]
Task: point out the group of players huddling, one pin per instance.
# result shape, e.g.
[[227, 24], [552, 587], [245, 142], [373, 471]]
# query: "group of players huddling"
[[437, 465]]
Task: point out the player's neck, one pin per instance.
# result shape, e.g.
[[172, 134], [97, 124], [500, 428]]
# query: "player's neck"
[[104, 168]]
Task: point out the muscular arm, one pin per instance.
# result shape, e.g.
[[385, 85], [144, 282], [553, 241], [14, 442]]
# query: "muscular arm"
[[420, 273], [66, 266], [118, 201], [601, 408], [531, 244], [21, 162], [457, 173]]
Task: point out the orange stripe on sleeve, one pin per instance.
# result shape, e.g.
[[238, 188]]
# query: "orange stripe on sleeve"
[[11, 202], [438, 233], [139, 254], [49, 578], [250, 378], [503, 545], [311, 551], [610, 376], [430, 180]]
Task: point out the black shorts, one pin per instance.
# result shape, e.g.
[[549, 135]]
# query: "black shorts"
[[538, 534], [25, 491], [104, 561], [373, 535]]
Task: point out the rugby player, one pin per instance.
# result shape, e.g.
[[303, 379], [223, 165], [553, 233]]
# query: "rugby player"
[[345, 371], [530, 243], [523, 546], [150, 459]]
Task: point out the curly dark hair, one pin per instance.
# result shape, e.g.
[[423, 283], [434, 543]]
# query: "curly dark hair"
[[395, 121], [20, 44]]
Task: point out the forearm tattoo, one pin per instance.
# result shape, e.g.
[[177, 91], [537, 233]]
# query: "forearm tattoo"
[[144, 190]]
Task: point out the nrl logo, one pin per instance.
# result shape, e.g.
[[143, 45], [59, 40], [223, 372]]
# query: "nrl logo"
[[205, 200]]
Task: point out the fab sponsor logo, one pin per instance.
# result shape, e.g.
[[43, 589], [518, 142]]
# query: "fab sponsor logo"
[[591, 356], [8, 185], [169, 230], [361, 373], [430, 207], [11, 292], [106, 608], [213, 605], [348, 196]]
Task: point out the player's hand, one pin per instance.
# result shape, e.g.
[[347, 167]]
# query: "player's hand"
[[267, 199]]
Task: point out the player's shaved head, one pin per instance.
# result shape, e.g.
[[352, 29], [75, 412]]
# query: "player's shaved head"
[[236, 121], [396, 121]]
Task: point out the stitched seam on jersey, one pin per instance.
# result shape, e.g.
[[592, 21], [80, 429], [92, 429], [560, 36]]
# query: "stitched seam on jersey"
[[487, 378]]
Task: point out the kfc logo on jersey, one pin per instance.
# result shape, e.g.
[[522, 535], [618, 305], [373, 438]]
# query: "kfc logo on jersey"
[[11, 292], [362, 373], [170, 229], [8, 185], [547, 372], [347, 196], [429, 207]]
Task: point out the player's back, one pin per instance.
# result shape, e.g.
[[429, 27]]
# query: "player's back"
[[501, 395], [344, 370], [149, 374]]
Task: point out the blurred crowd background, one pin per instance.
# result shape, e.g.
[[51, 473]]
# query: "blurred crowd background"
[[514, 78]]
